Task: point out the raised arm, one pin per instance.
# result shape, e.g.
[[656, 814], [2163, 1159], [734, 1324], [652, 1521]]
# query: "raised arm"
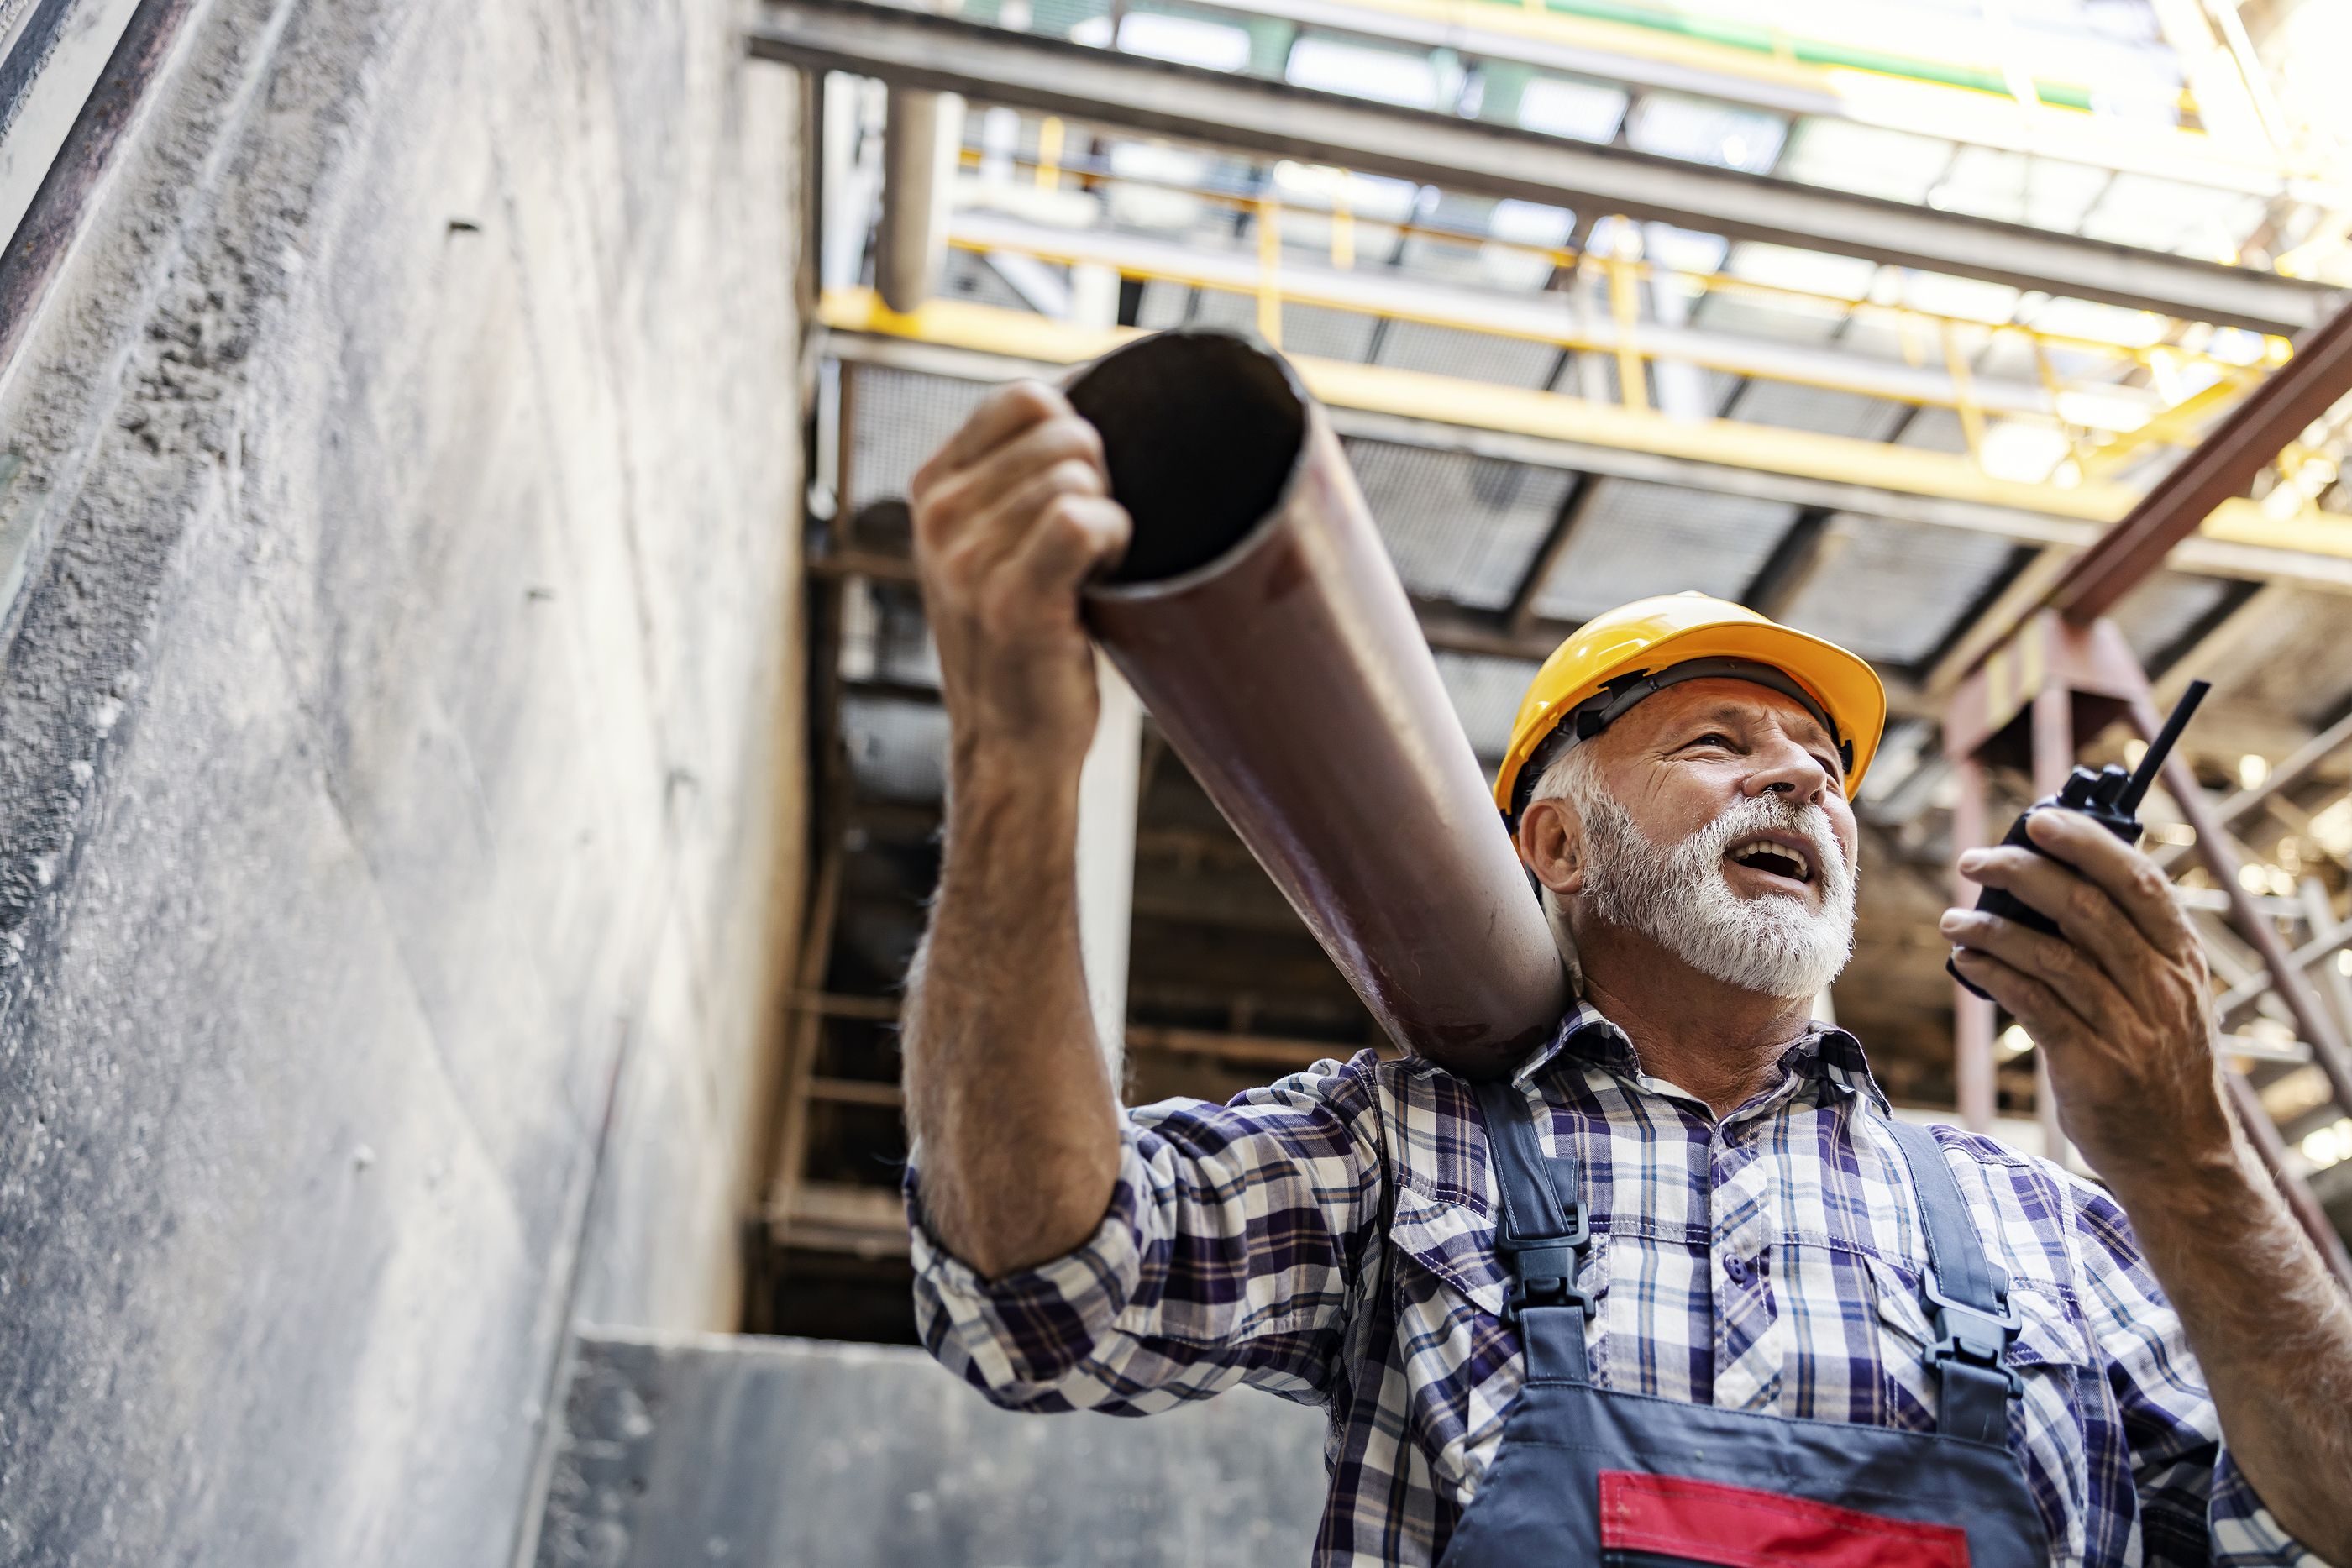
[[1006, 1086], [2123, 1009]]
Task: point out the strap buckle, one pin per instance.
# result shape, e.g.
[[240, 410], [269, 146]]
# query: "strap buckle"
[[1543, 1270], [1973, 1337]]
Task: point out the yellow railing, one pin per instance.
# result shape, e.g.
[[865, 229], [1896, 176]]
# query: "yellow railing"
[[2213, 382]]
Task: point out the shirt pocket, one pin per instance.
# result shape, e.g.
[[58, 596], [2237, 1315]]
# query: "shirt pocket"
[[2050, 1359], [1461, 1360]]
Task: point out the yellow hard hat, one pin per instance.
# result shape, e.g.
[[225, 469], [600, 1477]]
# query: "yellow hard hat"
[[1614, 660]]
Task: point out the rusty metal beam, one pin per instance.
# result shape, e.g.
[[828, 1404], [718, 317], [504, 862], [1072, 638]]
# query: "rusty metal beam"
[[2220, 467]]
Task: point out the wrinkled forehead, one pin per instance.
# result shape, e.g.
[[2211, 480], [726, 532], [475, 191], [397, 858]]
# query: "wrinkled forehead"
[[1741, 705]]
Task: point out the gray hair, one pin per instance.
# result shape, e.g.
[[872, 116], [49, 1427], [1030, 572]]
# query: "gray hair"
[[1573, 774]]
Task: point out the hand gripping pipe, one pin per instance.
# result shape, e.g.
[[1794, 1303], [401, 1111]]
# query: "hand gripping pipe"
[[1259, 617]]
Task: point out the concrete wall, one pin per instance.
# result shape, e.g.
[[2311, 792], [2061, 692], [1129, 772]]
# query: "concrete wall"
[[751, 1453], [398, 766]]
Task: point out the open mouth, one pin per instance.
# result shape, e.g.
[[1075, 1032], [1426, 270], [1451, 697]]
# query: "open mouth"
[[1785, 860]]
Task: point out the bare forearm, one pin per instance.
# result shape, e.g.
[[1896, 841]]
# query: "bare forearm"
[[1006, 1084], [2271, 1329]]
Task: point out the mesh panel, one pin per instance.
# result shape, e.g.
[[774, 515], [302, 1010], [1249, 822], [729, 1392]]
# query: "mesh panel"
[[1934, 430], [2160, 610], [1320, 333], [898, 419], [898, 750], [1637, 539], [1889, 590], [1473, 356], [1792, 406], [1461, 528], [1785, 318], [1486, 692], [1167, 304]]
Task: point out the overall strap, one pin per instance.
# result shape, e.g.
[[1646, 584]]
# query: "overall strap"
[[1540, 1233], [1967, 1300]]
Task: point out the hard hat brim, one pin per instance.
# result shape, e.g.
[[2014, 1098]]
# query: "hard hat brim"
[[1842, 683]]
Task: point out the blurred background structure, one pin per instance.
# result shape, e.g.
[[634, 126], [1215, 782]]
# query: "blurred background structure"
[[470, 752]]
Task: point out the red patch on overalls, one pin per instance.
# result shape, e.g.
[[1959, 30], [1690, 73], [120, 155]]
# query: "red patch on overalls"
[[1706, 1522]]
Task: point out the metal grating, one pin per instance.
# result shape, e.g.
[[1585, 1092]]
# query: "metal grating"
[[1486, 692], [1792, 406], [1321, 333], [897, 420], [1167, 304], [1471, 356], [1637, 539], [1460, 529], [1934, 430], [1888, 591], [2161, 610], [898, 750]]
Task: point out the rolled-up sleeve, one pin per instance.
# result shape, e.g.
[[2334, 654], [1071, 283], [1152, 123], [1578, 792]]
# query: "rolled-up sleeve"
[[1228, 1255], [2194, 1504]]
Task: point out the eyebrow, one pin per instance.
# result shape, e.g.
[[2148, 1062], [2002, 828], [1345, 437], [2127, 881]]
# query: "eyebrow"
[[1733, 714]]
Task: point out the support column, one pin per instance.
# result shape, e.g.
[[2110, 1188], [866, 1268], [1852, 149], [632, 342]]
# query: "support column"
[[1107, 807], [1972, 1058], [2053, 758], [920, 140]]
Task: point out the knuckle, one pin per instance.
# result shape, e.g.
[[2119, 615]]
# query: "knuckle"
[[1031, 401], [957, 568], [1081, 434], [944, 506]]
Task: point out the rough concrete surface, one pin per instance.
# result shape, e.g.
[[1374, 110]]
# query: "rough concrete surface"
[[764, 1453], [398, 766]]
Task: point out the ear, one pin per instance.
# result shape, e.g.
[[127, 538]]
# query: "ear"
[[1551, 846]]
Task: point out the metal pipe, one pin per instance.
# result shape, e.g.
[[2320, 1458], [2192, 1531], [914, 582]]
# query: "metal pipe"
[[920, 133], [1260, 618]]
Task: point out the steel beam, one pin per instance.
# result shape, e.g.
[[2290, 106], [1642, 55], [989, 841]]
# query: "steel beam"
[[2221, 468], [1275, 119]]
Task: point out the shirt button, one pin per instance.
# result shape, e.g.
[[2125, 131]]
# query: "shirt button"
[[1735, 1269]]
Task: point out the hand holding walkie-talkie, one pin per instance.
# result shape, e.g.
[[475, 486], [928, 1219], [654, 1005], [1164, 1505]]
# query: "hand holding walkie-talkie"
[[2109, 796]]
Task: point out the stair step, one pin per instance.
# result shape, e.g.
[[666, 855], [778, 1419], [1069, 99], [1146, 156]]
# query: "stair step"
[[758, 1453]]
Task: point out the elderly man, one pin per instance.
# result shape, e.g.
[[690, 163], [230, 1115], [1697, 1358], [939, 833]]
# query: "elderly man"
[[1682, 1289]]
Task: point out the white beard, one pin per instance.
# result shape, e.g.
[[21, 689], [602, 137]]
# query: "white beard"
[[1777, 945]]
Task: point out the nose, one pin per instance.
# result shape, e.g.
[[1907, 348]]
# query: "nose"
[[1786, 768]]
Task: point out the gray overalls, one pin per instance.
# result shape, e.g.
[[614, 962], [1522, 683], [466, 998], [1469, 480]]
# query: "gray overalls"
[[1589, 1475]]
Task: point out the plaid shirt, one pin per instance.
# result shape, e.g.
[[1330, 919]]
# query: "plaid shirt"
[[1328, 1238]]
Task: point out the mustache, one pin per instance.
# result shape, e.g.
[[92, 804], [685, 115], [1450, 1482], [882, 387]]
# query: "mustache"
[[1778, 813]]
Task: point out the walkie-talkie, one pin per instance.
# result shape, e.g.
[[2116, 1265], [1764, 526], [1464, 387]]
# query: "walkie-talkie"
[[2110, 797]]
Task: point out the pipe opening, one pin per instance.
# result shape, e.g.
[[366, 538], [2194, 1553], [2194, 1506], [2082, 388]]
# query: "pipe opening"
[[1201, 431]]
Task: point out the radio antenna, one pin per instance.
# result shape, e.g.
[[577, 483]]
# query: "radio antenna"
[[2160, 747]]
